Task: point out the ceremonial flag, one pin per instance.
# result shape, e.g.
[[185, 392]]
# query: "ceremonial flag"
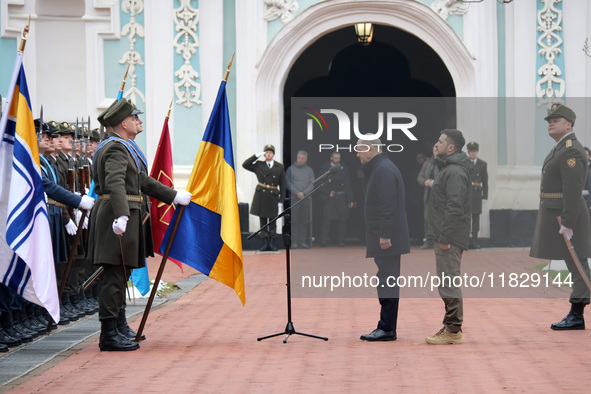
[[162, 171], [26, 261], [210, 226]]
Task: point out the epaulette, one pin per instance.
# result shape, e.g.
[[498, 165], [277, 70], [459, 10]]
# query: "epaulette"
[[569, 143]]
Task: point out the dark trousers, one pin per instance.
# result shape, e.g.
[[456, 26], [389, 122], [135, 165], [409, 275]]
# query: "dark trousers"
[[269, 231], [388, 293], [112, 292], [300, 221], [580, 293], [475, 224]]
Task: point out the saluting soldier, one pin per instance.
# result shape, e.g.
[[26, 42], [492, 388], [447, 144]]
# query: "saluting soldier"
[[269, 194], [563, 178], [479, 182], [116, 240]]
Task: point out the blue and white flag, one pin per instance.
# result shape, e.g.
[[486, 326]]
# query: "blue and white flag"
[[26, 260]]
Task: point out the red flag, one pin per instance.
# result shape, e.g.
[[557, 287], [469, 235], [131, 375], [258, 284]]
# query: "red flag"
[[162, 171]]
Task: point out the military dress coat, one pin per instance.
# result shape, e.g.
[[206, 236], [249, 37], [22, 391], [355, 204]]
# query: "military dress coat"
[[479, 185], [563, 174], [116, 173], [271, 187]]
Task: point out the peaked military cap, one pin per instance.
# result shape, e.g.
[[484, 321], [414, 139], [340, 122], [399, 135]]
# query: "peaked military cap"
[[66, 129], [121, 110], [95, 135], [55, 127], [561, 111], [472, 145], [43, 129], [101, 117], [269, 147]]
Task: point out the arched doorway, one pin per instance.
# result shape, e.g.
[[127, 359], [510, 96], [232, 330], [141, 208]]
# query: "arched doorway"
[[395, 64]]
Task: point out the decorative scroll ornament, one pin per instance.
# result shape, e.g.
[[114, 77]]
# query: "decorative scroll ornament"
[[187, 90], [549, 24], [131, 57], [445, 8], [284, 9]]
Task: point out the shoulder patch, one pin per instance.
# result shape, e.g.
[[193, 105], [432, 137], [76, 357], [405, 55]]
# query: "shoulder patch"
[[569, 143], [571, 162]]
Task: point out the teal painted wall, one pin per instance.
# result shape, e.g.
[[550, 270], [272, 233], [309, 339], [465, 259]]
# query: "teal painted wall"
[[8, 55], [229, 49], [543, 143], [115, 71], [188, 122]]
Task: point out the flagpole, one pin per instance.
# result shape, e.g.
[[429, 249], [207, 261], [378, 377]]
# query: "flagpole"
[[168, 245], [120, 93], [17, 66]]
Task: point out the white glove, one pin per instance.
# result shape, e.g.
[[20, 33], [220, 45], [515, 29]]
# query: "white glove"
[[71, 228], [566, 231], [120, 224], [280, 204], [585, 192], [183, 197], [260, 154], [85, 223], [86, 203]]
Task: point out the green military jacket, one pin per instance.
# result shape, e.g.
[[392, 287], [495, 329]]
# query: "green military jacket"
[[479, 185], [116, 174], [563, 178], [271, 187]]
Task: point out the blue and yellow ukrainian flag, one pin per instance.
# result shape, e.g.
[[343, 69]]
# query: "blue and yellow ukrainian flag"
[[208, 237], [26, 261]]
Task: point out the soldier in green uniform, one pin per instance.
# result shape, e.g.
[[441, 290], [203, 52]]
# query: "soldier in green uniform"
[[563, 178], [116, 240], [479, 188], [270, 191]]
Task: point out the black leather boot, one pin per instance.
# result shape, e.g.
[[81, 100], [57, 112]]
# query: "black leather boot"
[[111, 340], [265, 246], [573, 321], [8, 340], [271, 248], [124, 328]]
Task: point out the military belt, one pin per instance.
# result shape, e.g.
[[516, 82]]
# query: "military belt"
[[57, 204], [128, 197], [477, 184], [267, 186], [550, 195]]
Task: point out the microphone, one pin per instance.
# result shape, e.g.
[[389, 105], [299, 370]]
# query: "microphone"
[[324, 177]]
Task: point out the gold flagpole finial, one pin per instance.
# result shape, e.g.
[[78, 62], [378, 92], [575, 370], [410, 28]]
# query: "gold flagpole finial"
[[229, 66], [169, 107], [21, 47]]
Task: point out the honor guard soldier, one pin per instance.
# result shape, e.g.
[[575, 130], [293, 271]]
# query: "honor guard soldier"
[[116, 239], [479, 182], [269, 194], [563, 178]]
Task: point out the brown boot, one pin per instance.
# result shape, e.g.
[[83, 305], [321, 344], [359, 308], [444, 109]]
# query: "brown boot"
[[444, 337]]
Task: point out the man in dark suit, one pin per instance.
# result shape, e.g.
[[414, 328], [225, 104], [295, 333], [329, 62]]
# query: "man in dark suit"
[[564, 173], [269, 194], [479, 182], [386, 229]]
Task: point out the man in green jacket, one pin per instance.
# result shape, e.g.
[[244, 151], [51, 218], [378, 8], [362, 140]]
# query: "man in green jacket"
[[116, 240], [449, 217]]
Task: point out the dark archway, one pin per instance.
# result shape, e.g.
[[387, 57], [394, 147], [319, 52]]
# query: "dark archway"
[[395, 64]]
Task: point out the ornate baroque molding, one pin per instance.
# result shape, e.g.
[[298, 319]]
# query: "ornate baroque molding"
[[187, 90], [284, 9], [550, 42], [445, 8], [132, 57]]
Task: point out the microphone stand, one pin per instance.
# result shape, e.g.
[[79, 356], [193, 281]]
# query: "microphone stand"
[[286, 229]]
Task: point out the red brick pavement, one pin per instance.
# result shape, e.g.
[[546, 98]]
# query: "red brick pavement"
[[206, 340]]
